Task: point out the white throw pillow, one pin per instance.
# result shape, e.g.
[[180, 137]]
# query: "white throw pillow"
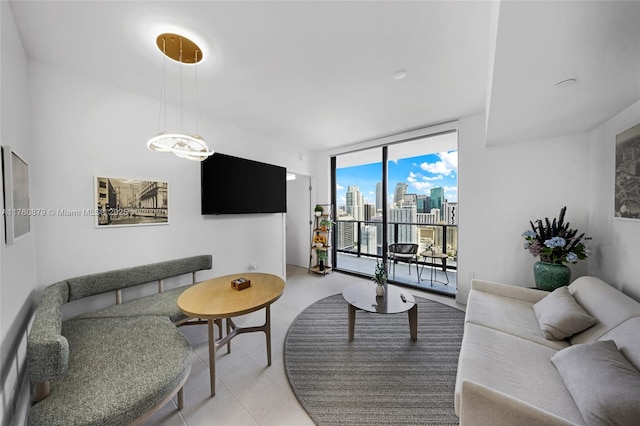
[[602, 382], [560, 316]]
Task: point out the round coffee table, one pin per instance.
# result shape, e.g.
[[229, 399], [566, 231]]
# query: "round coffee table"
[[362, 296]]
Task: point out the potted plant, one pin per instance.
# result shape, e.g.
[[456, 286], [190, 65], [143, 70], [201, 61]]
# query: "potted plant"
[[322, 258], [555, 243], [325, 224], [318, 210], [380, 278]]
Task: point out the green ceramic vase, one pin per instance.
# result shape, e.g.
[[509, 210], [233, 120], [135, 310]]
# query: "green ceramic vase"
[[550, 276]]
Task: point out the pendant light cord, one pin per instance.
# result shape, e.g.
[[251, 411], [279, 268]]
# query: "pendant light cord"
[[181, 90], [163, 90], [195, 64]]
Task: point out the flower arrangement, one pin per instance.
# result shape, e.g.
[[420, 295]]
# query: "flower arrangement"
[[380, 274], [556, 242]]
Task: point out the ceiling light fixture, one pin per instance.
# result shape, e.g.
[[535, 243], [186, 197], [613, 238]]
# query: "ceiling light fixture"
[[565, 83], [191, 147]]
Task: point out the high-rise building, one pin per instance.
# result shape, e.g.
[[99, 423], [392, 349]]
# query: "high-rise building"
[[450, 211], [346, 233], [437, 198], [369, 211], [398, 196], [410, 199], [421, 203], [355, 202], [406, 218], [369, 243], [379, 196]]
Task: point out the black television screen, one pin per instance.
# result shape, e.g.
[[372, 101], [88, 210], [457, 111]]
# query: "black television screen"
[[232, 185]]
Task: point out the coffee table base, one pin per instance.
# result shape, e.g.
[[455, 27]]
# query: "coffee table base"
[[232, 331], [413, 321]]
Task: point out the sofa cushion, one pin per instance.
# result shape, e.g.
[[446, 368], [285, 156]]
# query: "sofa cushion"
[[608, 305], [159, 304], [626, 337], [516, 367], [603, 384], [119, 369], [509, 315], [560, 316]]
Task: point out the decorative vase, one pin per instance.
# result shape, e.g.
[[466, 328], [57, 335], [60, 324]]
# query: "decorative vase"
[[321, 265], [550, 276], [379, 290]]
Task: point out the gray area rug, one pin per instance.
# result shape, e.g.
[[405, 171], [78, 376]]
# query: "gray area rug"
[[382, 377]]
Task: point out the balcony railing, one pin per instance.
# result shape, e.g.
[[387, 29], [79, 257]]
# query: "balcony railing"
[[359, 246]]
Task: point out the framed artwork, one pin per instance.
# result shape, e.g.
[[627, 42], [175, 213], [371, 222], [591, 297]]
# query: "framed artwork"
[[128, 202], [627, 184], [17, 213]]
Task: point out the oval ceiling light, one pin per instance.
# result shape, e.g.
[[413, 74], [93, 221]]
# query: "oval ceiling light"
[[399, 75], [179, 48]]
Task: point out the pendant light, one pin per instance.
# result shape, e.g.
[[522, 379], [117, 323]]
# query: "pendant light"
[[191, 147]]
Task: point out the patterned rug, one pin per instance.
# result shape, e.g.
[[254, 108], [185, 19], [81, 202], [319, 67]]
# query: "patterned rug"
[[382, 377]]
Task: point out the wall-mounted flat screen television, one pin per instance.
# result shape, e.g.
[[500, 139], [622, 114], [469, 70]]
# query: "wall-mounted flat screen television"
[[232, 185]]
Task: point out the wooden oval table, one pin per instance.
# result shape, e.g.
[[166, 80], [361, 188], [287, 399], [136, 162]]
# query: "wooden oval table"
[[214, 299]]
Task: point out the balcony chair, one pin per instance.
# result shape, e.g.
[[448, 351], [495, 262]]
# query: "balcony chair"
[[403, 251]]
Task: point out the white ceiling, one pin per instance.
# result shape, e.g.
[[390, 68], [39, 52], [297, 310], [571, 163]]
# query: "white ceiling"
[[318, 74]]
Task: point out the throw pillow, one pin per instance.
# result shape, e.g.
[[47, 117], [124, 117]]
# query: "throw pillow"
[[560, 316], [603, 384]]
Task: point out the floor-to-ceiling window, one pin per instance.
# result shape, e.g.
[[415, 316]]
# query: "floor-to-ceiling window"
[[404, 192]]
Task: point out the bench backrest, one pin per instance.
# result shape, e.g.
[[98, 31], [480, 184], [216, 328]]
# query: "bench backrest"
[[103, 282], [48, 349]]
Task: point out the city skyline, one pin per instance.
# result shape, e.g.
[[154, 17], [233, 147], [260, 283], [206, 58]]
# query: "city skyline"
[[421, 174]]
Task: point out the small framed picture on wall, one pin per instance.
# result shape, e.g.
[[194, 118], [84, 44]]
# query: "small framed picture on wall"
[[17, 212]]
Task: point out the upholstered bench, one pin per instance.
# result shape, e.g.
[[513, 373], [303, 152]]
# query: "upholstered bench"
[[114, 366]]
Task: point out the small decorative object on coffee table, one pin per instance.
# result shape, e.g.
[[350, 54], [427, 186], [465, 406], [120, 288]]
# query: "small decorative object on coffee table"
[[380, 278], [556, 243], [240, 283]]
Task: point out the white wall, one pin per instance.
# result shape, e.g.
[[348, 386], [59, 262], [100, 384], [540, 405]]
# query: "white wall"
[[502, 188], [616, 241], [17, 261], [84, 128]]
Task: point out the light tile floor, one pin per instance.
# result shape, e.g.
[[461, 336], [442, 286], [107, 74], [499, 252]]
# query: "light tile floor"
[[247, 391]]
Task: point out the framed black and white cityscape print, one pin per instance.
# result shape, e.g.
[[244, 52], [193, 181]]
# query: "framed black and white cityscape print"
[[128, 202], [627, 185]]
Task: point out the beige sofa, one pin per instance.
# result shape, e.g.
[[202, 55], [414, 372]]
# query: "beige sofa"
[[506, 375]]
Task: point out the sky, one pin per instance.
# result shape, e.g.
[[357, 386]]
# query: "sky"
[[421, 173]]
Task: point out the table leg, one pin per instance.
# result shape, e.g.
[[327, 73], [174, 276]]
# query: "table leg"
[[413, 322], [352, 321], [267, 333], [212, 356]]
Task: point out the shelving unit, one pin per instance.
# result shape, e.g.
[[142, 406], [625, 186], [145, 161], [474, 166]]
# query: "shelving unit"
[[321, 235]]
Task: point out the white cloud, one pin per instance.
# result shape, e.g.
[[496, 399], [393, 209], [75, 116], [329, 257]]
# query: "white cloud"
[[448, 164], [339, 187], [422, 187], [451, 193]]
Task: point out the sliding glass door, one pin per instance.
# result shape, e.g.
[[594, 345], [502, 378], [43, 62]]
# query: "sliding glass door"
[[401, 193]]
